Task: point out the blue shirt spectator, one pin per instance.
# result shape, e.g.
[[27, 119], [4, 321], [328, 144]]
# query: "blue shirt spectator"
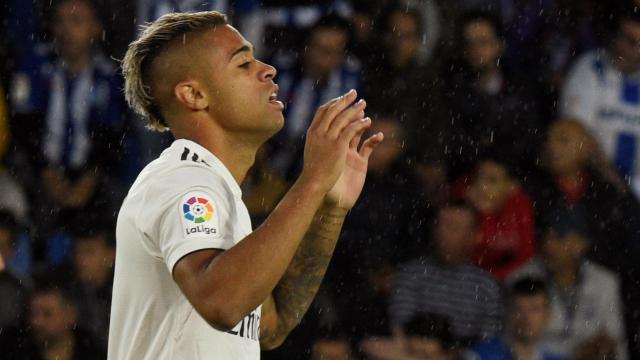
[[73, 107], [322, 73]]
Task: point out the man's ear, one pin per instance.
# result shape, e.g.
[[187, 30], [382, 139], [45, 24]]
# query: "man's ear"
[[190, 94]]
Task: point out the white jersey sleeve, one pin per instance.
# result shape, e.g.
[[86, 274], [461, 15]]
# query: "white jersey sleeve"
[[193, 217], [578, 97]]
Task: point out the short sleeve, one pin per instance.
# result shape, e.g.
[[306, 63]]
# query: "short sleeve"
[[197, 219], [579, 95]]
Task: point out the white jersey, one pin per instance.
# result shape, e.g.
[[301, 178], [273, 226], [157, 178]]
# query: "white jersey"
[[607, 102], [184, 201]]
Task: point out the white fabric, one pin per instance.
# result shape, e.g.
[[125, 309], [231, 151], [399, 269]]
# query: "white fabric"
[[161, 221], [594, 94], [598, 309]]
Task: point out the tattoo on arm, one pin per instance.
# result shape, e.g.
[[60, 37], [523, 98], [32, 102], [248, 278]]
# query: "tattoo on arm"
[[297, 288]]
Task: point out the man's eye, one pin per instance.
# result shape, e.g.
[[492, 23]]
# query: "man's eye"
[[245, 65]]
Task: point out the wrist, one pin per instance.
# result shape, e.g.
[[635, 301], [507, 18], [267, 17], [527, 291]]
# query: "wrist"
[[332, 208]]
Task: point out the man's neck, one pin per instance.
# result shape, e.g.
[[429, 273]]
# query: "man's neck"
[[566, 278], [60, 349], [236, 153]]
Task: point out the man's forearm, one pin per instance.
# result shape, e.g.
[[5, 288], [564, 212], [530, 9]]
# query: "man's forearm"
[[297, 288]]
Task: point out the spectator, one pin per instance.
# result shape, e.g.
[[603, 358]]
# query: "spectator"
[[93, 260], [51, 333], [529, 308], [12, 197], [602, 91], [367, 256], [13, 288], [397, 82], [446, 283], [586, 306], [424, 337], [71, 95], [279, 25], [487, 105], [322, 73], [506, 230], [570, 179]]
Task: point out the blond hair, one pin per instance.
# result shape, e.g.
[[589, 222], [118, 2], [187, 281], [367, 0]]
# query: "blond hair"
[[155, 39]]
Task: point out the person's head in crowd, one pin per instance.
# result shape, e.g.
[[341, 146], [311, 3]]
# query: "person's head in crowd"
[[326, 46], [52, 315], [482, 40], [568, 148], [431, 173], [427, 337], [402, 27], [529, 308], [455, 231], [566, 238], [388, 152], [76, 28], [626, 43], [493, 182], [93, 254], [8, 233]]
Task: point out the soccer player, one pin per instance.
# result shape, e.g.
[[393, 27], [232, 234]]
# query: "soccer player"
[[192, 280]]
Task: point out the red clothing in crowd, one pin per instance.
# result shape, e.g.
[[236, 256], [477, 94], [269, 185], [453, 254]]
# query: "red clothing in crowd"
[[507, 237]]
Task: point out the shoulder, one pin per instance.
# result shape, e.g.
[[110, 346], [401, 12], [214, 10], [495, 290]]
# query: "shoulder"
[[173, 174], [593, 63], [483, 279], [417, 265], [600, 275], [533, 268]]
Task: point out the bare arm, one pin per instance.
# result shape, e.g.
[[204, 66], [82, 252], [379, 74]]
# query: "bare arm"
[[225, 286], [293, 295]]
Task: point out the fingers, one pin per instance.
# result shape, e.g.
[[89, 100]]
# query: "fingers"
[[322, 110], [370, 144], [335, 107], [356, 140], [346, 117], [355, 127]]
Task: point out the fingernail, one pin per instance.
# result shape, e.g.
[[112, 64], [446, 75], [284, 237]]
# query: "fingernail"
[[366, 119], [360, 102], [351, 92]]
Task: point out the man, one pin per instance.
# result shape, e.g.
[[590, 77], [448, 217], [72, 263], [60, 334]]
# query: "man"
[[68, 94], [488, 106], [191, 278], [506, 228], [529, 310], [447, 284], [426, 336], [602, 90], [586, 307], [93, 258], [412, 90], [52, 332]]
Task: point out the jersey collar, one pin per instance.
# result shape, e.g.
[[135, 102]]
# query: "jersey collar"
[[210, 160]]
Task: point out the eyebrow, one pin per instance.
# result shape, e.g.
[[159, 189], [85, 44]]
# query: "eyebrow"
[[244, 48]]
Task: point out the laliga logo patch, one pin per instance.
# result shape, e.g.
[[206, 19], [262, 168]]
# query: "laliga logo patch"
[[197, 210]]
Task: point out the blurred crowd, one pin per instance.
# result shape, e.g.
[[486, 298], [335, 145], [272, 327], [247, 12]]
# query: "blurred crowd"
[[500, 218]]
